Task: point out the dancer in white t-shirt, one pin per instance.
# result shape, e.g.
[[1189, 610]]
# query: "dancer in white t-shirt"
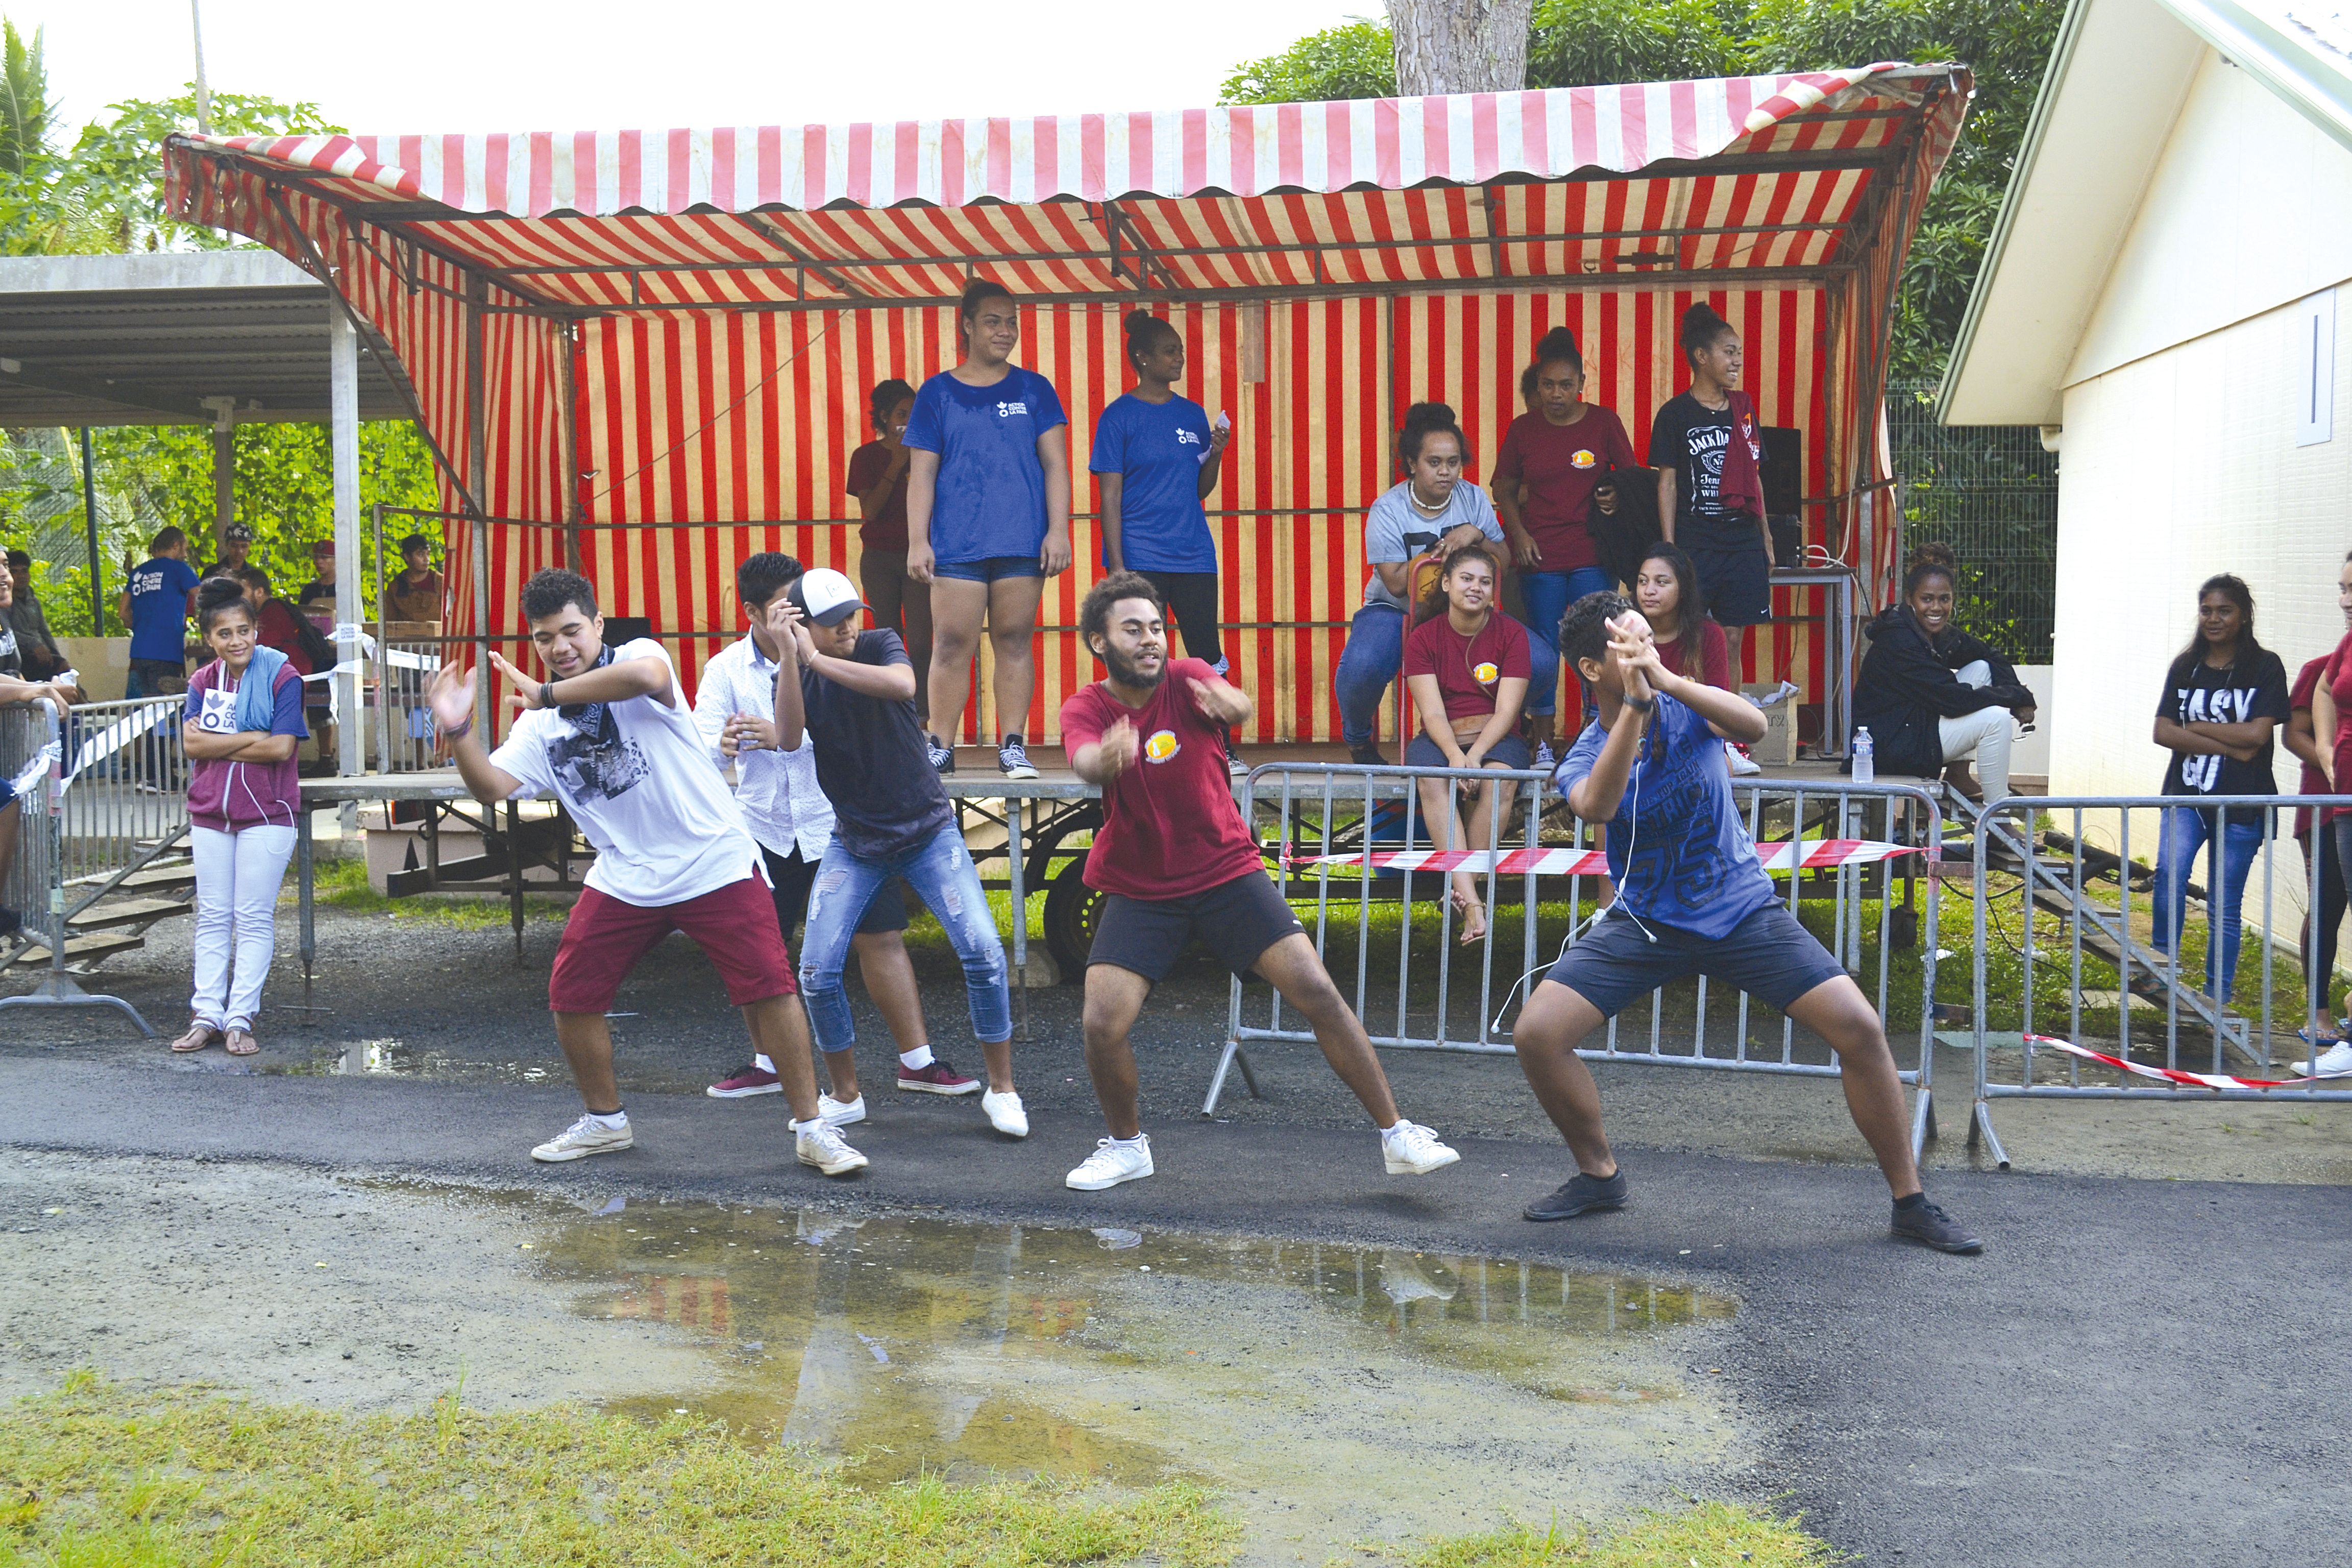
[[608, 733]]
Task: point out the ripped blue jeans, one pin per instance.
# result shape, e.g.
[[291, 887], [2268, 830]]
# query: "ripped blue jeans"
[[941, 872]]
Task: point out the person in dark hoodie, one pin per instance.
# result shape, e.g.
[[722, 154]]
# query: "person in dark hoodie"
[[1929, 693]]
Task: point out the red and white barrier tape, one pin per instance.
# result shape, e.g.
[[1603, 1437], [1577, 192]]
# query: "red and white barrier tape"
[[1811, 855], [2168, 1075]]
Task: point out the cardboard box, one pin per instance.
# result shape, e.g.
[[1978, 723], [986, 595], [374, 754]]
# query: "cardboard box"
[[1778, 749]]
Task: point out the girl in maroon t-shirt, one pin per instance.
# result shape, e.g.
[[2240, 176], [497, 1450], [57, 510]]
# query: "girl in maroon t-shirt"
[[878, 479], [1689, 643], [1466, 668]]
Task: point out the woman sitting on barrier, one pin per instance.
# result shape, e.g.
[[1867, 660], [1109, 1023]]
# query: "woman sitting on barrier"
[[1929, 693], [1466, 666], [1431, 509], [240, 729], [2222, 698]]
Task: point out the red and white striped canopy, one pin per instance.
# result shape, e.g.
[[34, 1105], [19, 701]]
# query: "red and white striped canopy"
[[627, 332]]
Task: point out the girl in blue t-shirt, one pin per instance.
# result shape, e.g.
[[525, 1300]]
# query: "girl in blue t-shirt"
[[988, 517], [1157, 457]]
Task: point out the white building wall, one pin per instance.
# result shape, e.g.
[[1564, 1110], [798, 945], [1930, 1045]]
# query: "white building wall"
[[2180, 456]]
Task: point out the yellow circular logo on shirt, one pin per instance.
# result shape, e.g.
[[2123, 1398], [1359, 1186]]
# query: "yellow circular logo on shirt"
[[1161, 746], [1485, 674], [1582, 460]]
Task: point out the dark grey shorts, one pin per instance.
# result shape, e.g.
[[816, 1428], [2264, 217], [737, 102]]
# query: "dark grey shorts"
[[1237, 921], [1768, 956]]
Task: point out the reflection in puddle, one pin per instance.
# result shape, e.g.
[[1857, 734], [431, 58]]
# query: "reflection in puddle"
[[1333, 1393]]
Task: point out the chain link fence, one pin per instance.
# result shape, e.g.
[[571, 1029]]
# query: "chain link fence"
[[1992, 493]]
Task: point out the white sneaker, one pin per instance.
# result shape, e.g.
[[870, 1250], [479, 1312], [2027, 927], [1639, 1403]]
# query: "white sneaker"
[[823, 1147], [582, 1139], [1544, 761], [835, 1113], [1742, 765], [2335, 1061], [1112, 1163], [1413, 1150], [1005, 1113]]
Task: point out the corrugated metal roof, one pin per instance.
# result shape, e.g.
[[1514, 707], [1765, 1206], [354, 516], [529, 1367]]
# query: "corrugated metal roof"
[[144, 339]]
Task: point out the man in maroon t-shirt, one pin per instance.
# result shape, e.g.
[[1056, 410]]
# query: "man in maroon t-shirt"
[[1175, 860]]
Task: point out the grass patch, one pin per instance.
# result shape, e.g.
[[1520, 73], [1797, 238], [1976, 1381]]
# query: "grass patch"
[[1710, 1534], [100, 1476], [343, 885]]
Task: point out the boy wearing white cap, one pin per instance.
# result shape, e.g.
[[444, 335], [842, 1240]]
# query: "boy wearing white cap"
[[853, 692]]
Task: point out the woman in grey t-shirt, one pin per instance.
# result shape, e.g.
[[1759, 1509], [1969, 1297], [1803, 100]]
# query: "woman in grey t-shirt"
[[1432, 508]]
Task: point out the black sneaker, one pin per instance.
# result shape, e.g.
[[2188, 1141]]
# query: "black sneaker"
[[1583, 1195], [1013, 759], [942, 757], [1367, 755], [1931, 1227], [11, 921]]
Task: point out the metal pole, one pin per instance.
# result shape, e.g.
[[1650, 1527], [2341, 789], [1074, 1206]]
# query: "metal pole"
[[477, 462], [203, 91], [343, 425], [89, 522], [224, 475]]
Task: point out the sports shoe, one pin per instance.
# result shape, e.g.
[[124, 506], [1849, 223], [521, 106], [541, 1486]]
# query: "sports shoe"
[[2335, 1061], [942, 757], [1235, 767], [936, 1078], [745, 1082], [838, 1112], [1112, 1163], [823, 1147], [1013, 759], [1544, 760], [1367, 755], [1931, 1227], [1584, 1195], [1742, 765], [1006, 1113], [582, 1139], [1413, 1150]]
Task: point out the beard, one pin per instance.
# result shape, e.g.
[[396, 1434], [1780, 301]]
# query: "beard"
[[1128, 675]]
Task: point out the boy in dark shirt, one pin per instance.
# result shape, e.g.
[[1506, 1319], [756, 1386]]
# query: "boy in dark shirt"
[[855, 694], [1692, 899], [1177, 860]]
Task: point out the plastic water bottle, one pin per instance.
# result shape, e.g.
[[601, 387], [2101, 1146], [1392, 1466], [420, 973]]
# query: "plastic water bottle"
[[1866, 765]]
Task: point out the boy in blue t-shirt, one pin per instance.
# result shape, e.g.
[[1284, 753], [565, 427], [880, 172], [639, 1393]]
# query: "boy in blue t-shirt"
[[1692, 899], [157, 594]]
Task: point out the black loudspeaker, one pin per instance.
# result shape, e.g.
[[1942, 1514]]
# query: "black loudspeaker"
[[1784, 470], [619, 629]]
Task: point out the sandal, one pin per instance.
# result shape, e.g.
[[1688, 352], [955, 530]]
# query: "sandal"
[[241, 1043], [200, 1035]]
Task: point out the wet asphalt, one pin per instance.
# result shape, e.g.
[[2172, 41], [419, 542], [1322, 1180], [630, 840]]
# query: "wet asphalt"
[[2136, 1372]]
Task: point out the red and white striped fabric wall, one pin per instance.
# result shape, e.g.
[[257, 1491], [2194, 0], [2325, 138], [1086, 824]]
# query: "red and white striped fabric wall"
[[746, 422]]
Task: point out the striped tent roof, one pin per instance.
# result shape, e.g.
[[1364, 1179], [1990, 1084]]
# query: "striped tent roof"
[[667, 316]]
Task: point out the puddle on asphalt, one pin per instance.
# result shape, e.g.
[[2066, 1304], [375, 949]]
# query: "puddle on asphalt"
[[1334, 1393]]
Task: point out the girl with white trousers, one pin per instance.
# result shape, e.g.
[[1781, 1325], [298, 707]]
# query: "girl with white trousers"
[[240, 729]]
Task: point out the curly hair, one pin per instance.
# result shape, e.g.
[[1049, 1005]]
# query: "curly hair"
[[1094, 611]]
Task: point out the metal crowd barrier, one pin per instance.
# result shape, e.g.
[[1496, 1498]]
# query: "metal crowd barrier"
[[1318, 810], [2082, 943], [79, 834], [405, 737]]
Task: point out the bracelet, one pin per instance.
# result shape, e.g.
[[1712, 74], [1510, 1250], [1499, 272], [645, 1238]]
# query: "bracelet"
[[459, 731], [1640, 704], [547, 694]]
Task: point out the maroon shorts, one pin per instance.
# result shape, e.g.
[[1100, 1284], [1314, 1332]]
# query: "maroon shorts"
[[734, 925]]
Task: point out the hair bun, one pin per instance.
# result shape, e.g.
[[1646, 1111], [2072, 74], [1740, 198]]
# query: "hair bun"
[[1423, 416], [1936, 552], [1137, 320], [1557, 343]]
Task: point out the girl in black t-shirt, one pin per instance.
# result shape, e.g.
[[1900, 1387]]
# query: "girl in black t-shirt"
[[2223, 697], [1705, 446]]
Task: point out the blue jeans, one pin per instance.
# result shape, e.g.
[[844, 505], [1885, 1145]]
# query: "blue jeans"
[[1368, 667], [943, 874], [1545, 596], [2236, 845]]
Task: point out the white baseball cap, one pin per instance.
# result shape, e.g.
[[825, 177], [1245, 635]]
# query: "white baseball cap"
[[825, 596]]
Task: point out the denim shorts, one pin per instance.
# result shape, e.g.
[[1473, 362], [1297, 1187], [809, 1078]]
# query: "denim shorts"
[[992, 569], [1510, 751]]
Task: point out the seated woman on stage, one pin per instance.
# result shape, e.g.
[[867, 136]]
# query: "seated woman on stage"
[[1432, 509], [1929, 693], [1666, 591], [1466, 666]]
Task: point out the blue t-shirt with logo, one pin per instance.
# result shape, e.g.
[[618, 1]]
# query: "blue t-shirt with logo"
[[1693, 865], [159, 608], [990, 499], [1159, 448]]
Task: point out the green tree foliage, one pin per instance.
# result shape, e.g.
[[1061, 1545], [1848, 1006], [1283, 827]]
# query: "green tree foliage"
[[103, 195], [1574, 43]]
